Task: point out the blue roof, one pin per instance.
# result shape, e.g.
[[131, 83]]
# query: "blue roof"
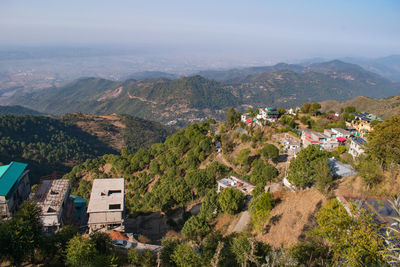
[[368, 117], [9, 176], [359, 141]]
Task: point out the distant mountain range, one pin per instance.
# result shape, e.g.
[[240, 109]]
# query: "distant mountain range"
[[209, 94], [150, 75]]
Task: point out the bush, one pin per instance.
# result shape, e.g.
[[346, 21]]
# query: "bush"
[[260, 208]]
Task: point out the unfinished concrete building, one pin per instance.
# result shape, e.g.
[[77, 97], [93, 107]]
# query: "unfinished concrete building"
[[52, 196], [106, 205]]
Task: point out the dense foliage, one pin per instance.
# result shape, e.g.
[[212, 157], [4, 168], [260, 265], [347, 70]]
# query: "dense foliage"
[[172, 179], [231, 200], [303, 169], [355, 240], [384, 142]]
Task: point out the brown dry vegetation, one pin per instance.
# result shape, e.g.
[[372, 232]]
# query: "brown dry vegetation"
[[384, 108], [292, 217]]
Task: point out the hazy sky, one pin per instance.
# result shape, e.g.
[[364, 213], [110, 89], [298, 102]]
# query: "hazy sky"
[[270, 28]]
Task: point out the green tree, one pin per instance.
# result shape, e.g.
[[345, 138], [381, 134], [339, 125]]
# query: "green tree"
[[302, 170], [247, 250], [243, 157], [323, 175], [232, 117], [370, 171], [281, 111], [314, 108], [145, 258], [260, 208], [185, 256], [196, 226], [354, 240], [231, 200], [350, 109], [305, 108], [384, 141], [311, 253], [81, 252], [101, 241], [21, 235], [270, 151]]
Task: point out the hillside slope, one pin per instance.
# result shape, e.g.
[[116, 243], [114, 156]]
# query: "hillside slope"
[[49, 144], [384, 108], [17, 110]]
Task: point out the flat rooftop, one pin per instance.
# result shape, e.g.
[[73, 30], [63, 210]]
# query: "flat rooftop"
[[107, 195], [237, 183], [50, 195]]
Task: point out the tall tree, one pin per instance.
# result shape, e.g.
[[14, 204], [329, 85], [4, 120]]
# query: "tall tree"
[[231, 200], [302, 170], [355, 240], [21, 235], [384, 141]]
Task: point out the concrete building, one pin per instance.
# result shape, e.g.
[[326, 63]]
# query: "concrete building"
[[363, 122], [106, 205], [341, 132], [268, 114], [52, 196], [236, 183], [14, 187], [357, 146], [291, 145], [246, 117], [326, 140]]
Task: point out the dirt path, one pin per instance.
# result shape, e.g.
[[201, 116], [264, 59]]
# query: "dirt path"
[[221, 159], [243, 222]]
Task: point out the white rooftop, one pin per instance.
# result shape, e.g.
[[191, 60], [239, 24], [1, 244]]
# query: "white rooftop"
[[107, 195], [236, 183]]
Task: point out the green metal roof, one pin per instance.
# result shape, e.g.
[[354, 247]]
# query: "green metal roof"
[[78, 200], [9, 176]]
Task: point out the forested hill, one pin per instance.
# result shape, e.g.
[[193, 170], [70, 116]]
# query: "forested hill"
[[193, 99], [17, 110], [190, 99], [49, 144]]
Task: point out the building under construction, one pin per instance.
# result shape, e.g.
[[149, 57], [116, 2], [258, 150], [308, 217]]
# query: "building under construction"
[[106, 205], [52, 196]]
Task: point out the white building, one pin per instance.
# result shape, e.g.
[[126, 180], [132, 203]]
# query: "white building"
[[245, 117], [341, 132], [236, 183], [106, 205], [357, 146]]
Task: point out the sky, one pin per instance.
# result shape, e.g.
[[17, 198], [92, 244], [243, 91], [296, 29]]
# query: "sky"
[[260, 28]]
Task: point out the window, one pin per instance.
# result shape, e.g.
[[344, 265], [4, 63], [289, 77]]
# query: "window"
[[114, 206], [110, 192]]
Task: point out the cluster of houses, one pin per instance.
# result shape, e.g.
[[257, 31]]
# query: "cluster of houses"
[[329, 140], [58, 206], [264, 115]]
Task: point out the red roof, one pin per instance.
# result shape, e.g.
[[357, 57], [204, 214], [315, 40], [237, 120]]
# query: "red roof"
[[341, 139], [249, 121], [118, 236]]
